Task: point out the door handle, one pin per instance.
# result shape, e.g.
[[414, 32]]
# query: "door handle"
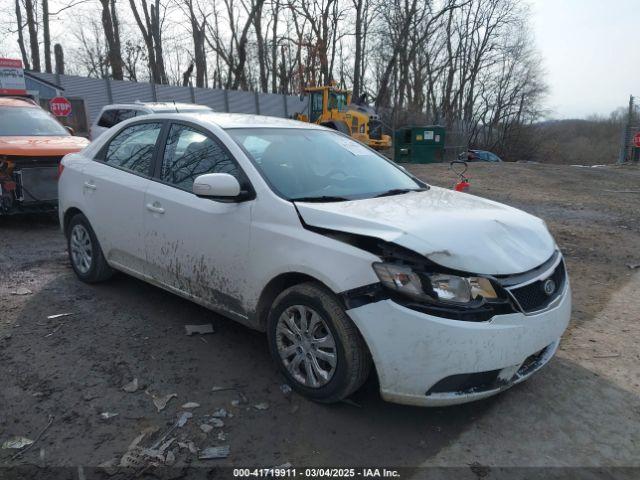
[[89, 185], [155, 207]]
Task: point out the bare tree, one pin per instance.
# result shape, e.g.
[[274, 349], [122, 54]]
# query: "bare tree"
[[151, 30], [23, 50], [110, 26], [198, 21], [32, 27], [46, 34]]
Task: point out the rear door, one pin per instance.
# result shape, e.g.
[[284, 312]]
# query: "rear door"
[[197, 246], [113, 189]]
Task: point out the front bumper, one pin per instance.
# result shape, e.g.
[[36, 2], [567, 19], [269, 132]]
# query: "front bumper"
[[417, 355]]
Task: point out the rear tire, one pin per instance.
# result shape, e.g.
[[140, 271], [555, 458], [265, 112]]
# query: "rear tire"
[[330, 347], [85, 253]]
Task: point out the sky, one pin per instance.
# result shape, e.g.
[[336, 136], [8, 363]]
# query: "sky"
[[591, 54]]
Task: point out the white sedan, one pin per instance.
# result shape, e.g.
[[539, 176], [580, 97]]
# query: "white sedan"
[[347, 261]]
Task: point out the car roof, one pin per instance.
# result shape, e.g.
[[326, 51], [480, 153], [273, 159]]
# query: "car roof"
[[244, 120], [158, 106], [17, 102]]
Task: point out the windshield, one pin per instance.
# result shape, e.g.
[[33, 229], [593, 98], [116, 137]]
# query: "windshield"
[[337, 101], [29, 121], [321, 165]]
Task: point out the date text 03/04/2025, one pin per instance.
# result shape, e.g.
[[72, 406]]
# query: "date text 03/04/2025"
[[290, 472]]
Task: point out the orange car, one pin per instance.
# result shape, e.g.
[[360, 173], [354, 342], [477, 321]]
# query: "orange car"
[[32, 143]]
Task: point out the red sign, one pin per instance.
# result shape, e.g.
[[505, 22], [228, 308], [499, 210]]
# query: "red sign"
[[11, 77], [636, 140], [60, 107]]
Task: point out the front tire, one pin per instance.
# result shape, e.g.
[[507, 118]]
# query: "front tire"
[[85, 253], [316, 345]]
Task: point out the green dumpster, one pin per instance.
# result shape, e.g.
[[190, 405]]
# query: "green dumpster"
[[424, 144]]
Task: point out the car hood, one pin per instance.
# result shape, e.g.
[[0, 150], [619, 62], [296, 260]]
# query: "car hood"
[[41, 146], [455, 230]]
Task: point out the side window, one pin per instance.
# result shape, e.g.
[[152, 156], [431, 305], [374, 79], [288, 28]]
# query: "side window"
[[316, 105], [125, 115], [108, 119], [132, 149], [189, 153]]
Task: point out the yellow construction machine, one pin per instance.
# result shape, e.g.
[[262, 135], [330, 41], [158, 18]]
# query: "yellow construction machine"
[[332, 107]]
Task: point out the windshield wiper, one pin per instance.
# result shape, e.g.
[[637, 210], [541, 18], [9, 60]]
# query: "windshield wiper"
[[323, 198], [399, 191]]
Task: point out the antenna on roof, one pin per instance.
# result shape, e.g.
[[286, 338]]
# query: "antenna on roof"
[[175, 106]]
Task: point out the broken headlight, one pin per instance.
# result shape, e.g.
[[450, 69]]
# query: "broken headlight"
[[434, 287]]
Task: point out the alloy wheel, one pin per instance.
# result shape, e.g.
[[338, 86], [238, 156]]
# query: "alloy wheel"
[[306, 346], [81, 248]]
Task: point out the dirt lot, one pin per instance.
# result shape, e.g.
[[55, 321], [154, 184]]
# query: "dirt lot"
[[581, 410]]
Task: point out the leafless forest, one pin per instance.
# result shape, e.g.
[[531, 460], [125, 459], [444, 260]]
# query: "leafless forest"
[[468, 64]]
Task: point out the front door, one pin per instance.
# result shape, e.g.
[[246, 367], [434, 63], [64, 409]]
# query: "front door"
[[197, 246]]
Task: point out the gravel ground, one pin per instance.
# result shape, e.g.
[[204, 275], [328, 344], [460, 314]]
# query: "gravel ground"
[[581, 410]]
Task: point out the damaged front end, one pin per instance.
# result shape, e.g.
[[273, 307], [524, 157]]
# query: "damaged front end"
[[28, 184], [415, 282]]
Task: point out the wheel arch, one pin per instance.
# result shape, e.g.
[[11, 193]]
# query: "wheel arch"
[[275, 287], [68, 215]]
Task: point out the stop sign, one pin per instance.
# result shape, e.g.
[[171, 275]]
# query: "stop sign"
[[60, 107], [636, 140]]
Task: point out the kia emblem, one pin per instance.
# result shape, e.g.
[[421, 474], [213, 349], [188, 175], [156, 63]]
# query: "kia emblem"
[[549, 286]]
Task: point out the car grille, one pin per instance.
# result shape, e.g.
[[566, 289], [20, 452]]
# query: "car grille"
[[533, 297], [375, 129]]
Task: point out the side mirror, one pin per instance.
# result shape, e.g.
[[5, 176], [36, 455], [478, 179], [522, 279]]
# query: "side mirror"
[[70, 130], [220, 185]]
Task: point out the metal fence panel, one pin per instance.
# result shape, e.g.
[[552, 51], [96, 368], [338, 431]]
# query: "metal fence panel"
[[295, 105], [92, 90], [242, 102], [211, 98], [128, 92], [173, 93], [272, 104], [95, 92]]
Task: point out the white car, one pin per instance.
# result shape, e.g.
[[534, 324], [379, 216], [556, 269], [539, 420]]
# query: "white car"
[[347, 261], [111, 115]]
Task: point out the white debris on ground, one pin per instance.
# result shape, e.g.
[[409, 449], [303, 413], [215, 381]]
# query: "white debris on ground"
[[131, 387], [17, 442], [58, 315], [211, 453], [198, 329], [183, 418], [160, 401], [285, 389], [206, 428], [22, 291]]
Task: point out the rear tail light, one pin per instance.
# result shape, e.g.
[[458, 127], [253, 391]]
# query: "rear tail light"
[[60, 170]]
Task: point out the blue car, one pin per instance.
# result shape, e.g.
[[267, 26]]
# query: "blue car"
[[480, 156]]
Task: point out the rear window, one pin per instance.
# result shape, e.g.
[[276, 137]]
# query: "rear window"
[[112, 117], [29, 121]]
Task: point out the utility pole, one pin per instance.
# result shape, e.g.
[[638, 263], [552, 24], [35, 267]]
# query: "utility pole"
[[626, 133]]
